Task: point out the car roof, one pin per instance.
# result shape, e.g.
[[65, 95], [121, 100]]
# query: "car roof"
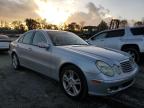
[[117, 29], [138, 26], [113, 29], [49, 30], [122, 28]]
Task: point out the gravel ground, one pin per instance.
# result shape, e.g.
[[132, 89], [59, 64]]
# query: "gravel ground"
[[28, 89]]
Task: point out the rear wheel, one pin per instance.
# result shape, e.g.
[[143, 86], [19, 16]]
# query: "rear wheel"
[[15, 61], [73, 82]]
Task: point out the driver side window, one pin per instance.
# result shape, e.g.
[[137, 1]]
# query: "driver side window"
[[100, 36], [39, 38]]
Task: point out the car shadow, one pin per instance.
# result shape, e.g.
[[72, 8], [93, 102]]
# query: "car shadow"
[[4, 53], [90, 100]]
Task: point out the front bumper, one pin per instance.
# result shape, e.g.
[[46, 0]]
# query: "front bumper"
[[109, 87]]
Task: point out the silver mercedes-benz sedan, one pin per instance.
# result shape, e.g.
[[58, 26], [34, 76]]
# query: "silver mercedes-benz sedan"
[[80, 68]]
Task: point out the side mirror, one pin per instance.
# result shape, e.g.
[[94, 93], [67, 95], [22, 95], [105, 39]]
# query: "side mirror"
[[43, 45]]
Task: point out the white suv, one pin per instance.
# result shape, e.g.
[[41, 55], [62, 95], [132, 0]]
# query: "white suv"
[[130, 40]]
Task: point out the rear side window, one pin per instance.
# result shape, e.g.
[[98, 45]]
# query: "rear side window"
[[115, 33], [138, 31], [27, 39], [100, 36]]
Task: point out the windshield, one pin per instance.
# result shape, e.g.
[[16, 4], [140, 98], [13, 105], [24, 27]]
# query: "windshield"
[[60, 38]]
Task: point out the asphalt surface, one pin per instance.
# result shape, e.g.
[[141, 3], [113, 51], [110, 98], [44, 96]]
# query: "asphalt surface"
[[27, 89]]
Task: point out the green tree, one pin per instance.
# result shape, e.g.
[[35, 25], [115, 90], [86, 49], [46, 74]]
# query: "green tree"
[[102, 26], [123, 23], [138, 23], [32, 24], [18, 26], [143, 20], [50, 26], [73, 27], [21, 28]]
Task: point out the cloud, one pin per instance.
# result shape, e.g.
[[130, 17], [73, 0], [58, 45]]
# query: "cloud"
[[93, 17], [21, 9], [17, 9]]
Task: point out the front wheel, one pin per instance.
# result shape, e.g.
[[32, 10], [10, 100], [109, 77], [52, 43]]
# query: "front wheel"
[[73, 82]]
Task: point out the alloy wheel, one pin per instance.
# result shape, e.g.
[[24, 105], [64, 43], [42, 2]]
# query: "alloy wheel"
[[14, 61], [71, 83]]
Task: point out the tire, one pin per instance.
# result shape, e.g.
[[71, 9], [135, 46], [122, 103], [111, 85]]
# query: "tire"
[[134, 53], [15, 62], [73, 83]]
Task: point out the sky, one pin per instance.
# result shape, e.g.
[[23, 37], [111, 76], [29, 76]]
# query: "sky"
[[88, 12], [129, 9]]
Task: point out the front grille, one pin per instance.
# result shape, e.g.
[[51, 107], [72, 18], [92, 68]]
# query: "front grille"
[[126, 66]]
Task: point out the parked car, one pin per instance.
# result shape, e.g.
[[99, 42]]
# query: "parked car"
[[130, 40], [4, 42], [80, 68]]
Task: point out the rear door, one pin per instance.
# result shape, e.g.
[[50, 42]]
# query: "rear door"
[[113, 39], [98, 39], [23, 48]]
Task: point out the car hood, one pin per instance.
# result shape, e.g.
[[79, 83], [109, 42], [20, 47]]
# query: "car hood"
[[93, 51]]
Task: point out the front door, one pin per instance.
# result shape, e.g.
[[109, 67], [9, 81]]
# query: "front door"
[[42, 56], [98, 39]]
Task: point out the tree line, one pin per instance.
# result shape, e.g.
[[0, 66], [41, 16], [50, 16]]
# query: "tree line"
[[30, 24]]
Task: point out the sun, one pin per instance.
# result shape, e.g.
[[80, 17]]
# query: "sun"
[[52, 12]]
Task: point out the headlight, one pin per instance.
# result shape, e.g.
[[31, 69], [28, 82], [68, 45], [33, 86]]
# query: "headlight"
[[105, 68]]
